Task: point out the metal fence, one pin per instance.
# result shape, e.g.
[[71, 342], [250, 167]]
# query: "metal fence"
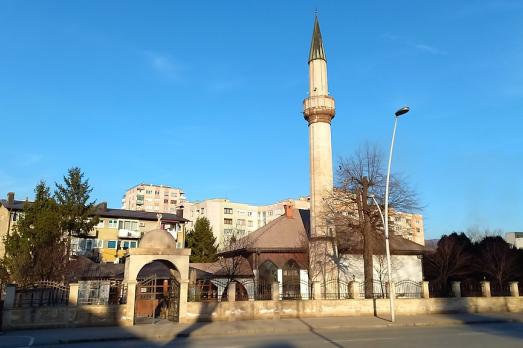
[[471, 288], [497, 289], [407, 289], [437, 289], [335, 289], [206, 290], [376, 289], [42, 294], [102, 292]]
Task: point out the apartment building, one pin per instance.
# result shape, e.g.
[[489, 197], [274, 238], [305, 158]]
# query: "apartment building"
[[153, 198], [229, 219], [515, 238], [408, 226]]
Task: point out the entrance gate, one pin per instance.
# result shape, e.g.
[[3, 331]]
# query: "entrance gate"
[[157, 299]]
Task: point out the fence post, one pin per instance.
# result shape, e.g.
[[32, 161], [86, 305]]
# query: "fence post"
[[456, 288], [10, 292], [316, 290], [354, 289], [131, 297], [514, 289], [73, 294], [275, 291], [231, 292], [425, 289], [485, 288]]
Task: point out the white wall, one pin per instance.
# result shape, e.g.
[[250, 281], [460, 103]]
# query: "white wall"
[[404, 267]]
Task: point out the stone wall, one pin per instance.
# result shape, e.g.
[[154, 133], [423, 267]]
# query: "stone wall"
[[247, 310], [63, 316]]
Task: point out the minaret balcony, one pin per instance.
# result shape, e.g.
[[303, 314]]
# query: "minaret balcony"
[[319, 108]]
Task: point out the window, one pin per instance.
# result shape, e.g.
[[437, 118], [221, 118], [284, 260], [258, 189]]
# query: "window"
[[128, 225], [269, 213], [113, 223], [165, 201], [240, 222], [14, 216], [174, 194], [133, 244], [203, 210], [173, 201], [149, 192], [156, 193], [250, 223], [111, 244], [227, 221], [100, 223], [249, 213], [227, 210]]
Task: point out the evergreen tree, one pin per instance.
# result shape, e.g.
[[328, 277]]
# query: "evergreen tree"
[[202, 242], [73, 197], [36, 249]]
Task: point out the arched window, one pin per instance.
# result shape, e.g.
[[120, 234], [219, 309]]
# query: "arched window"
[[291, 280], [268, 272]]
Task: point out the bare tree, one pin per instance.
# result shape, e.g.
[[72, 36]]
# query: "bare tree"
[[233, 257], [350, 207], [476, 234], [498, 259], [451, 260]]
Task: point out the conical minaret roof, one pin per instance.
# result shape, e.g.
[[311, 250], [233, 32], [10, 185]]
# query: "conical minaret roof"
[[317, 51]]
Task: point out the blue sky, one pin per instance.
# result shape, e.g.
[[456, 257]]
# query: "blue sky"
[[207, 96]]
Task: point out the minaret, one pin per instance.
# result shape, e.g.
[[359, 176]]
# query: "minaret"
[[319, 111]]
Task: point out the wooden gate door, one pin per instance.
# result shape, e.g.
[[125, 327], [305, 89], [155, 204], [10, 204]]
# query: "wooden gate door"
[[173, 301], [146, 300]]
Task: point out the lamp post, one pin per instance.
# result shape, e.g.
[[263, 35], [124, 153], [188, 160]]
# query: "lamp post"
[[397, 114]]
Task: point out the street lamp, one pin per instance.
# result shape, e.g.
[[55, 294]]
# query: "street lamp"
[[397, 114]]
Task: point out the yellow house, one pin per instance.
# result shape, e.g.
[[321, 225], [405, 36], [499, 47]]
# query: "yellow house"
[[117, 230], [121, 229]]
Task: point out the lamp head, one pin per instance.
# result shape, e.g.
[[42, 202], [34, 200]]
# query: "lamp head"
[[402, 111]]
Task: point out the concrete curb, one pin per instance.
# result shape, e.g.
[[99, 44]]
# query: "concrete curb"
[[279, 330]]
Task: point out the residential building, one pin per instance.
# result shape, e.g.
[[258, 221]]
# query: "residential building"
[[227, 218], [10, 210], [121, 229], [117, 229], [153, 198], [231, 218], [408, 226], [515, 238]]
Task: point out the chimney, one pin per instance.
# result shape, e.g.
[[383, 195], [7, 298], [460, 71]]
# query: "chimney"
[[179, 212], [103, 206], [10, 198], [289, 210]]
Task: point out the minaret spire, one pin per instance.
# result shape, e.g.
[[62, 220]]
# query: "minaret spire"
[[319, 110], [317, 51]]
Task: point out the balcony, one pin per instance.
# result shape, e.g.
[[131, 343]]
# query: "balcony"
[[122, 233]]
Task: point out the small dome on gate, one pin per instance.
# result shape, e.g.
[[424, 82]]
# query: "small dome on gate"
[[158, 239]]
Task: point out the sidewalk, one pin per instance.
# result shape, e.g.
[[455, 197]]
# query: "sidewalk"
[[166, 331]]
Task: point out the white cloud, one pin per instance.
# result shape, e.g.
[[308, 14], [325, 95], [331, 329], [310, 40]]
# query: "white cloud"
[[163, 64]]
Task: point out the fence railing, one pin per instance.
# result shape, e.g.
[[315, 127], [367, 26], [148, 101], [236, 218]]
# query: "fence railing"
[[296, 290], [471, 288], [497, 289], [407, 289], [437, 289], [42, 294], [102, 292], [335, 289], [374, 289]]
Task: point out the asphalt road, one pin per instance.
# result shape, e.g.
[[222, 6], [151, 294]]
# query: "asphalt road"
[[477, 335]]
